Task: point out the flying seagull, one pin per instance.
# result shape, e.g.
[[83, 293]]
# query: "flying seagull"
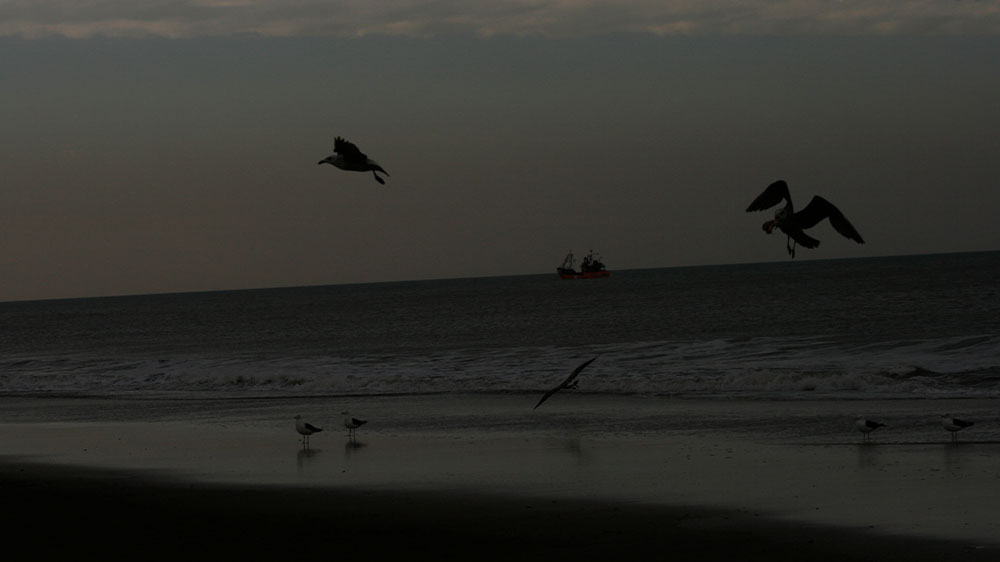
[[867, 426], [954, 425], [568, 383], [305, 430], [793, 224], [352, 424], [347, 156]]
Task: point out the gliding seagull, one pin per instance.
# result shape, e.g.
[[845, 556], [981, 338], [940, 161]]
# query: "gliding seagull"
[[565, 383], [793, 224], [867, 426], [305, 429], [347, 156]]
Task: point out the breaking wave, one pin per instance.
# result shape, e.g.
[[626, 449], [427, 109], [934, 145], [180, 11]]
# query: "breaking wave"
[[773, 367]]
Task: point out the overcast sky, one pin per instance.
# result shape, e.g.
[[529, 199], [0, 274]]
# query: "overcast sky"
[[173, 146]]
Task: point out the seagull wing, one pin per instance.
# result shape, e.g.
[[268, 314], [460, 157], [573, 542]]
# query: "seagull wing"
[[348, 150], [819, 209], [577, 370], [546, 396], [801, 238], [563, 384], [356, 421], [771, 197], [312, 428]]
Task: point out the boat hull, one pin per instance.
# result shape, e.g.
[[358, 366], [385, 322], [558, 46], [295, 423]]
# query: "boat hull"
[[587, 275]]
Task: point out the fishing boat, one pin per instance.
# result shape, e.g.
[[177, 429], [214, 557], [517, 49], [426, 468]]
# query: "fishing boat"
[[590, 268]]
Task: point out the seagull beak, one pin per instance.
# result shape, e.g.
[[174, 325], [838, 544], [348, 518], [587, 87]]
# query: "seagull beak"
[[768, 227]]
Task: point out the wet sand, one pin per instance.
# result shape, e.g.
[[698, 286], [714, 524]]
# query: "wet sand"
[[89, 513], [745, 482]]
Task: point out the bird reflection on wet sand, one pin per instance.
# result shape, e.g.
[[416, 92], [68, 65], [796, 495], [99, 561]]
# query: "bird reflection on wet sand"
[[305, 456], [352, 446]]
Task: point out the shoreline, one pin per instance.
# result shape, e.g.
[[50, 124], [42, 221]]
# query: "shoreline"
[[62, 510], [767, 468]]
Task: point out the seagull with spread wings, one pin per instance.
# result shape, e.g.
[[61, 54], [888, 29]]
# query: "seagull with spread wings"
[[568, 383], [793, 224], [347, 156]]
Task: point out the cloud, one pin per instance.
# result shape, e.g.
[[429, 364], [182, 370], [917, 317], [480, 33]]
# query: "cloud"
[[547, 18]]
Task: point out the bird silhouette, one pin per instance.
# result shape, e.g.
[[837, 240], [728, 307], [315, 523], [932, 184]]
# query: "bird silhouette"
[[305, 430], [793, 224], [347, 156], [568, 383], [352, 424], [954, 425], [867, 426]]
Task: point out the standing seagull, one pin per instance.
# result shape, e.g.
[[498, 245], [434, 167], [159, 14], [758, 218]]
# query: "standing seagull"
[[566, 383], [346, 156], [954, 425], [867, 426], [305, 429], [793, 224], [352, 424]]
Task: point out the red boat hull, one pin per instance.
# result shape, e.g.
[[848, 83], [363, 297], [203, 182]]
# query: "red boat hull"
[[588, 275]]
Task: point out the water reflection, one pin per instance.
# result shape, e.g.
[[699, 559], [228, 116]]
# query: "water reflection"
[[305, 456], [870, 455], [575, 449], [957, 454], [352, 447]]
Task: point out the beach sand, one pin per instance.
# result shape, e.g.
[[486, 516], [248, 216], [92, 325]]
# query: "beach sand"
[[86, 513], [435, 477]]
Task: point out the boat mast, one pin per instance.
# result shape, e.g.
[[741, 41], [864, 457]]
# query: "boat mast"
[[568, 262]]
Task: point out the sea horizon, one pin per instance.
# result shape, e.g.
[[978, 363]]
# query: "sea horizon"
[[901, 326], [498, 276]]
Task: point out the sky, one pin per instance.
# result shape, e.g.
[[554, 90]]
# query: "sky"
[[169, 146]]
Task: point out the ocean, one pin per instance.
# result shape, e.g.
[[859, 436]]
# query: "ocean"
[[732, 387], [924, 326]]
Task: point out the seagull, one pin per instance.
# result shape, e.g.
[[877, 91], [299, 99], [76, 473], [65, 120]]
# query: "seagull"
[[867, 426], [568, 383], [793, 224], [352, 424], [305, 429], [346, 156], [954, 425]]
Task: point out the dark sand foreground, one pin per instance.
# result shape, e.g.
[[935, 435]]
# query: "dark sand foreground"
[[86, 513]]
